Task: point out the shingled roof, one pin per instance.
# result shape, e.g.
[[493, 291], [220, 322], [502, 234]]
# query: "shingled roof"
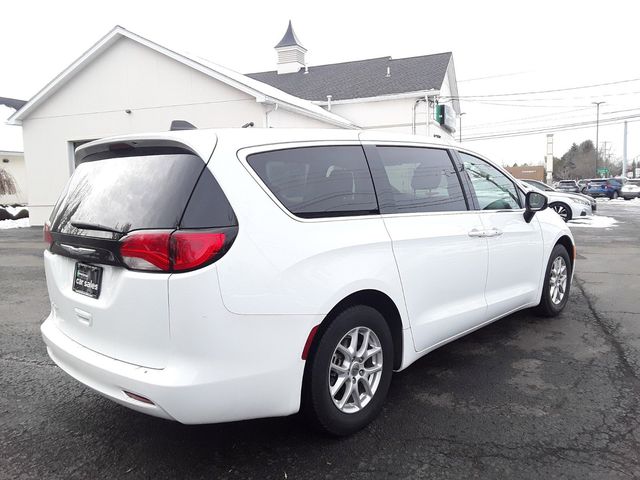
[[362, 78], [12, 102]]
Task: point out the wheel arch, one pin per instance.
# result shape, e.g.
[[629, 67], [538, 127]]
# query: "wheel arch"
[[375, 299], [567, 243]]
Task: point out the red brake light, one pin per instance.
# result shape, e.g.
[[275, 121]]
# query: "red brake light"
[[46, 234], [191, 249], [168, 251], [146, 250]]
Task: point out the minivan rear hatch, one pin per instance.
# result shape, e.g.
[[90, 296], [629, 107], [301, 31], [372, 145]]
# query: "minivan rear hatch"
[[117, 189]]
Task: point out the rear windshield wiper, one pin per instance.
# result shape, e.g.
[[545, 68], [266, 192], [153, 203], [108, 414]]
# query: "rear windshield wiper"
[[95, 226]]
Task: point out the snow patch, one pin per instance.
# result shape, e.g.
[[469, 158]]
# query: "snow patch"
[[6, 224], [595, 221]]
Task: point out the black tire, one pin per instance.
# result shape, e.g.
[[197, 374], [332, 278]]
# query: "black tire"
[[614, 195], [318, 405], [559, 207], [546, 307], [627, 198]]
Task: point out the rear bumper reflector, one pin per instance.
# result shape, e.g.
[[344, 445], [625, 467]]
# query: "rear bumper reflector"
[[307, 344], [139, 398]]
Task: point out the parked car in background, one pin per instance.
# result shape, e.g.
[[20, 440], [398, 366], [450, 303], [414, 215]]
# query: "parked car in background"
[[250, 273], [604, 187], [568, 186], [559, 196], [583, 185], [631, 189]]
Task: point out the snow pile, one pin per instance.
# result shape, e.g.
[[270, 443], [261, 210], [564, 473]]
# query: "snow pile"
[[596, 221], [13, 222], [6, 224]]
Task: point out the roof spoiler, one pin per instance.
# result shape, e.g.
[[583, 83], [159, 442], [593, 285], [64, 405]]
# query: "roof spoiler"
[[181, 125]]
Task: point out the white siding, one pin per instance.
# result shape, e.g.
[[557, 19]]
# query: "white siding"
[[390, 115]]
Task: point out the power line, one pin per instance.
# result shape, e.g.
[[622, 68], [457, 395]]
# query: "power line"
[[493, 95], [532, 119], [553, 128]]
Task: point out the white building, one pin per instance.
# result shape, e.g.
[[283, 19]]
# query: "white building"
[[11, 156], [128, 84]]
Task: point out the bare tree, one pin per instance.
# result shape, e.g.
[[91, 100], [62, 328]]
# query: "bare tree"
[[7, 183]]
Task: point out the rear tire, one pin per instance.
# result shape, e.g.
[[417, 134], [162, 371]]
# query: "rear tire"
[[338, 372], [555, 294]]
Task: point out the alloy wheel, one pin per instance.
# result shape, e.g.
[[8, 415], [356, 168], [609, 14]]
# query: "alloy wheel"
[[355, 370], [558, 280], [562, 211]]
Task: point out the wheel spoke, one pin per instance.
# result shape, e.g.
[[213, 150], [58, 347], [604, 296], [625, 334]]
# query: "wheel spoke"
[[347, 393], [356, 396], [335, 388], [344, 351], [371, 370], [353, 343], [339, 369], [367, 387], [365, 344], [370, 353]]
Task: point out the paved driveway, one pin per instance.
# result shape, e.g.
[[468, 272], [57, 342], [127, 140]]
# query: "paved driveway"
[[523, 398]]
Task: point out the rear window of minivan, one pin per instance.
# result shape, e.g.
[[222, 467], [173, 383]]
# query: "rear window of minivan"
[[321, 181], [140, 191]]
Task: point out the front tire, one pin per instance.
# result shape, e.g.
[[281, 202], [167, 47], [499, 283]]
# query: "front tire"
[[557, 283], [614, 195], [349, 373], [562, 209]]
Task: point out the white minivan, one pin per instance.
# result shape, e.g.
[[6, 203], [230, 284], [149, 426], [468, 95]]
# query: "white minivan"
[[216, 275]]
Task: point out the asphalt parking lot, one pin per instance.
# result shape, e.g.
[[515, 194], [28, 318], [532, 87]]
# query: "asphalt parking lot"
[[522, 398]]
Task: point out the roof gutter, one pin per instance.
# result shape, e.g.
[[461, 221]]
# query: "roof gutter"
[[380, 98]]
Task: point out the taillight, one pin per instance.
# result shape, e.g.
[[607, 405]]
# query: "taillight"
[[176, 251], [146, 250], [192, 249], [46, 234]]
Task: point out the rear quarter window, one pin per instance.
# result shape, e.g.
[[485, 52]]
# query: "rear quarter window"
[[322, 181]]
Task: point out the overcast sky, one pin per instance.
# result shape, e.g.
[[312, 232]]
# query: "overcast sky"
[[498, 47]]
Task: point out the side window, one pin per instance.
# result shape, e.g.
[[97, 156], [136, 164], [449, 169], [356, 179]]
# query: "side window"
[[420, 180], [319, 181], [493, 189]]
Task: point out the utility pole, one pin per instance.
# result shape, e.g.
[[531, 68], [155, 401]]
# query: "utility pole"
[[597, 104], [460, 137], [549, 159], [624, 152]]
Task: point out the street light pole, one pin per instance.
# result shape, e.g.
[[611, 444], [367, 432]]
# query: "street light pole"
[[460, 137], [597, 104]]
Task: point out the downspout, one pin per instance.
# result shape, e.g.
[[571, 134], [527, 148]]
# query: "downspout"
[[266, 115], [413, 119]]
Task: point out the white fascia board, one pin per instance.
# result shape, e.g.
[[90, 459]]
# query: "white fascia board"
[[241, 82], [59, 80], [383, 98]]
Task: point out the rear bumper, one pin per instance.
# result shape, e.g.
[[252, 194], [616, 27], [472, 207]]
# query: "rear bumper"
[[192, 389], [630, 195]]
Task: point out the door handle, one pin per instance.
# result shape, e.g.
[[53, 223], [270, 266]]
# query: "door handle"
[[493, 232], [474, 232]]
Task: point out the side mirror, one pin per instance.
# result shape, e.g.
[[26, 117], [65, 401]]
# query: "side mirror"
[[534, 202]]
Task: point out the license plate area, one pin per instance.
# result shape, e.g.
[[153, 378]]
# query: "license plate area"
[[87, 280]]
